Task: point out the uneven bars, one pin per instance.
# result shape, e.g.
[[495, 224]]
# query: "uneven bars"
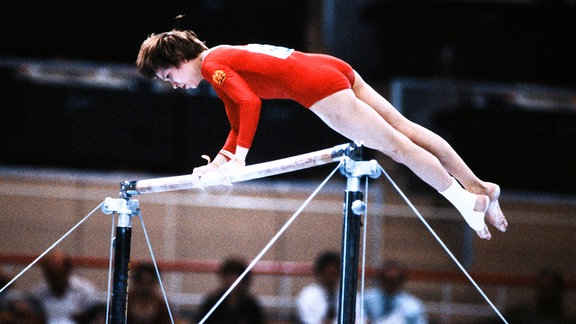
[[255, 171]]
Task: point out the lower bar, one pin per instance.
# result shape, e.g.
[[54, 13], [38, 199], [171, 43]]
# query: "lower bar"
[[255, 171]]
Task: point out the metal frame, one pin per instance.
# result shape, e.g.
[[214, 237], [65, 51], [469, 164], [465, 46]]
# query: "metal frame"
[[352, 166]]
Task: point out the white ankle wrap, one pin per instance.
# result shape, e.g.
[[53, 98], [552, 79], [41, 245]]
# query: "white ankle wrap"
[[465, 202]]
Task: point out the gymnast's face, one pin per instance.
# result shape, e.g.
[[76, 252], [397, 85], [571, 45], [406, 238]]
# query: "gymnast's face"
[[187, 75]]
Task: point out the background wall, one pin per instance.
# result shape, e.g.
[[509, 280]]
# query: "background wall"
[[39, 206]]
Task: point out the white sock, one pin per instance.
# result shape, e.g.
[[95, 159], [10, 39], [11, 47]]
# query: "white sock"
[[465, 202]]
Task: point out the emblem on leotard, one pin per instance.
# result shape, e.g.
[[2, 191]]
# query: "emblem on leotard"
[[219, 76]]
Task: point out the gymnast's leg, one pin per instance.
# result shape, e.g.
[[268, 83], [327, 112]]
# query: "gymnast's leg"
[[436, 145], [353, 118]]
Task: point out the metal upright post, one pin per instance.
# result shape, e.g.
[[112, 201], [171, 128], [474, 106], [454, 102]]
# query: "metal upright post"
[[125, 209], [354, 169]]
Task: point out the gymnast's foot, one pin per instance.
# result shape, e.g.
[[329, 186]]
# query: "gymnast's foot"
[[473, 206], [494, 214]]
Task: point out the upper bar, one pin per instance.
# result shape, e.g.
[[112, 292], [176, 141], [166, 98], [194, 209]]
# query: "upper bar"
[[255, 171]]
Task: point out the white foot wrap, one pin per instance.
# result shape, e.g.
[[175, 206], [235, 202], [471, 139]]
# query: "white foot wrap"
[[465, 203]]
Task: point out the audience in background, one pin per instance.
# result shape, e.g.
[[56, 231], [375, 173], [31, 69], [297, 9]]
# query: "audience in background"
[[388, 303], [145, 301], [24, 310], [4, 280], [548, 305], [240, 307], [66, 298], [17, 309], [63, 294], [93, 315], [317, 303]]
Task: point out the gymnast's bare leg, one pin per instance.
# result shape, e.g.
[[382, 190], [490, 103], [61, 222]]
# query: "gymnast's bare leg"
[[355, 119], [435, 144]]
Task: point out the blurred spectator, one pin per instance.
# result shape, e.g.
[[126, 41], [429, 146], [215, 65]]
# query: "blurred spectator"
[[548, 306], [93, 315], [317, 303], [4, 280], [240, 306], [388, 303], [63, 294], [145, 301], [26, 310]]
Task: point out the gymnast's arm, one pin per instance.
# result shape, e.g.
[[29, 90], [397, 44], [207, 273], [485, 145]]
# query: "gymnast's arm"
[[243, 110], [243, 118]]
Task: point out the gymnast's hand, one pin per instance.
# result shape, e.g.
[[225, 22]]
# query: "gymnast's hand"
[[224, 162], [232, 162], [198, 172], [202, 170], [228, 167]]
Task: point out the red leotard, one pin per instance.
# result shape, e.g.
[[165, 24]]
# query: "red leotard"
[[241, 75]]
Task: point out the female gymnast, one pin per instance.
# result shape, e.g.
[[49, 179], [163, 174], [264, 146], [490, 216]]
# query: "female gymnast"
[[243, 75]]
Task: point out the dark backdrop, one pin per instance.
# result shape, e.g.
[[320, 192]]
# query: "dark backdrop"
[[112, 30], [69, 126], [483, 40]]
